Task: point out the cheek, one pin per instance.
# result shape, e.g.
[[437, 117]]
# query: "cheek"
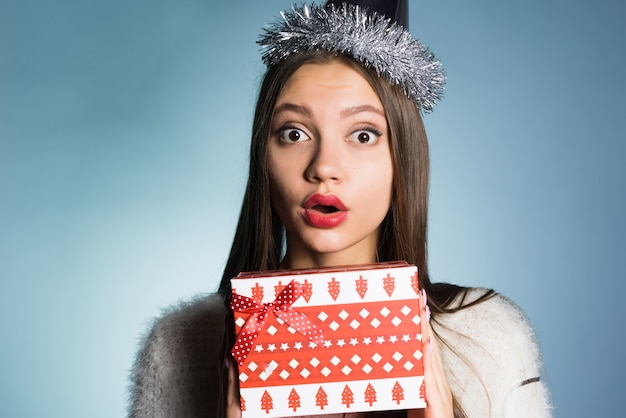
[[276, 189], [385, 179], [279, 189], [284, 175], [386, 189], [377, 190]]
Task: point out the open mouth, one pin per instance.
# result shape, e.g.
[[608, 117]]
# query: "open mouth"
[[325, 209]]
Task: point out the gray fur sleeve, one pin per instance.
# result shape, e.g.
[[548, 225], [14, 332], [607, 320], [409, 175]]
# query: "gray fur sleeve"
[[176, 370]]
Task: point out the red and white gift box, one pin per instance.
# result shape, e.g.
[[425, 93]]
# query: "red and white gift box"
[[326, 341]]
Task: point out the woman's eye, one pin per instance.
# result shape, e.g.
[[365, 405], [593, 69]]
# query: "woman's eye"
[[365, 136], [293, 135]]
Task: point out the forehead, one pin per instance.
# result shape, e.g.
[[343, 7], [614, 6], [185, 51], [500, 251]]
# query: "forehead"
[[334, 80]]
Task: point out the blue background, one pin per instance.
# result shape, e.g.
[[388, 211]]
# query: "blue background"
[[124, 129]]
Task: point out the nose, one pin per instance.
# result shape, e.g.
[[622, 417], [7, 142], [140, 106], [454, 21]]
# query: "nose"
[[326, 162]]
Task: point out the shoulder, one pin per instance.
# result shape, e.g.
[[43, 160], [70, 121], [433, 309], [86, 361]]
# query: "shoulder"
[[491, 348], [496, 317], [495, 328], [178, 359], [208, 310], [187, 327]]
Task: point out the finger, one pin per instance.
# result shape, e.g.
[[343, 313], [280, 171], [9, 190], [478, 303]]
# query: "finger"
[[233, 408], [438, 395], [437, 366], [425, 328]]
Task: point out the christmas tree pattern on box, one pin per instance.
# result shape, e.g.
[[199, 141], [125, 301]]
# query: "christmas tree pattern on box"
[[329, 340]]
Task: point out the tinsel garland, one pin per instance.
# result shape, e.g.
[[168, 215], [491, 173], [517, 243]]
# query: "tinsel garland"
[[372, 39]]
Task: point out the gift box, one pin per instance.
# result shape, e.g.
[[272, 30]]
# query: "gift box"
[[325, 341]]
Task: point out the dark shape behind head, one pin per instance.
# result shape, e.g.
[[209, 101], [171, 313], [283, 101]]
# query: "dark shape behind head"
[[396, 10]]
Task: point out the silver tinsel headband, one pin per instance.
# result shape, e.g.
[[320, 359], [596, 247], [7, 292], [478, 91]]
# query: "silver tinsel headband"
[[373, 40]]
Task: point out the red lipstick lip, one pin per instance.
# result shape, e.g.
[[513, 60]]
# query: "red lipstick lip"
[[324, 200], [321, 219]]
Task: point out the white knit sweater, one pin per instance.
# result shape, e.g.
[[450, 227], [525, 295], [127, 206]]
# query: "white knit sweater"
[[492, 360], [176, 371]]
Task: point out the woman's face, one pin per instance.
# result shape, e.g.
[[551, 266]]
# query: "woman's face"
[[330, 166]]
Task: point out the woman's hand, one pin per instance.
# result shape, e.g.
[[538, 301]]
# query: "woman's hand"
[[438, 395], [233, 409]]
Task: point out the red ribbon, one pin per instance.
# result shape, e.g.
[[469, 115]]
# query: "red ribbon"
[[281, 307]]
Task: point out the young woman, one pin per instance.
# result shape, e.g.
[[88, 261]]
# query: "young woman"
[[339, 175]]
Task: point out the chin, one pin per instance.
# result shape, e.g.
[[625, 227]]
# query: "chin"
[[342, 252]]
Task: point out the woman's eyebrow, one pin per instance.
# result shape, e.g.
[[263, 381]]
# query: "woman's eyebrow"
[[350, 111], [284, 107]]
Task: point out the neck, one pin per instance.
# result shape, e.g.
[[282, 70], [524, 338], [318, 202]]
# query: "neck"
[[296, 260]]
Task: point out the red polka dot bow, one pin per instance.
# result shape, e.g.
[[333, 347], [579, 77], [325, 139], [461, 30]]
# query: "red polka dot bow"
[[281, 307]]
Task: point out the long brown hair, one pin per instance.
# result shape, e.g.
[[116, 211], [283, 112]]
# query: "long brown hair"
[[259, 238], [259, 241]]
